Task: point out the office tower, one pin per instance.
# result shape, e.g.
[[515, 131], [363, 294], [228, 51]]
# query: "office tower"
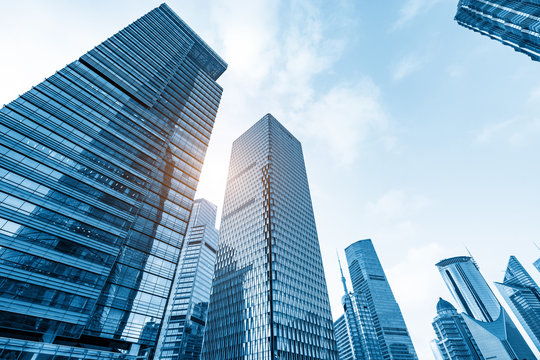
[[183, 327], [454, 340], [269, 298], [341, 334], [368, 278], [522, 296], [495, 333], [537, 265], [360, 328], [99, 165], [512, 22]]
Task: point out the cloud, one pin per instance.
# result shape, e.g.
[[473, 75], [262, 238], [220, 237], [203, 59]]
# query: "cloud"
[[408, 65], [455, 70], [411, 9], [417, 285], [519, 131], [534, 95], [306, 53], [397, 204], [343, 119]]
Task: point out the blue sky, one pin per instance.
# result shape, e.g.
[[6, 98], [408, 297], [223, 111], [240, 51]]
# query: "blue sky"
[[417, 133]]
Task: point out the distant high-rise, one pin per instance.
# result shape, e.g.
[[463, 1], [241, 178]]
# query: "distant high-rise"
[[515, 23], [522, 294], [269, 298], [368, 279], [99, 164], [183, 327], [454, 340], [537, 265], [360, 328], [495, 333], [341, 334]]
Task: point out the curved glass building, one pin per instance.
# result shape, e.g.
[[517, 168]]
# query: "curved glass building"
[[491, 327]]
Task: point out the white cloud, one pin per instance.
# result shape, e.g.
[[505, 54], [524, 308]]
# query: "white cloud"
[[397, 204], [417, 285], [455, 70], [411, 9], [343, 119], [408, 65], [520, 131], [534, 95]]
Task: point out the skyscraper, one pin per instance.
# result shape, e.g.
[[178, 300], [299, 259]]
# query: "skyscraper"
[[360, 328], [184, 323], [368, 278], [99, 165], [515, 23], [537, 265], [522, 294], [495, 333], [269, 298], [454, 340], [341, 333]]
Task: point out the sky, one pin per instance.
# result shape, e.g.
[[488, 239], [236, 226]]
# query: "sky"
[[417, 133]]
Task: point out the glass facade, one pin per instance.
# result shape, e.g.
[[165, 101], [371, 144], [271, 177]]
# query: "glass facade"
[[363, 339], [368, 279], [468, 287], [99, 165], [269, 298], [487, 320], [537, 265], [515, 23], [522, 295], [183, 329], [454, 340], [341, 334]]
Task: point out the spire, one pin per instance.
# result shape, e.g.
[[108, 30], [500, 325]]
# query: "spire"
[[472, 258], [342, 276]]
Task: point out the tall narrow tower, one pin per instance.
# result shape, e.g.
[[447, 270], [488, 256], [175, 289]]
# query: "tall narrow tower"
[[494, 331], [360, 328], [269, 298], [99, 165], [368, 278], [184, 324]]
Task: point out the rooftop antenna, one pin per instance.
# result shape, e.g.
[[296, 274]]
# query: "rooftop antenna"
[[472, 257], [342, 276]]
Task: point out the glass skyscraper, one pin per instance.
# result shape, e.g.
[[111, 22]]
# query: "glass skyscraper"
[[515, 23], [360, 328], [99, 165], [183, 327], [495, 333], [341, 334], [522, 294], [368, 279], [269, 298], [537, 265], [454, 340]]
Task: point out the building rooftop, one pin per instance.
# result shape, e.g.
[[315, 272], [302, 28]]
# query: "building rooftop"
[[454, 260], [444, 305]]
